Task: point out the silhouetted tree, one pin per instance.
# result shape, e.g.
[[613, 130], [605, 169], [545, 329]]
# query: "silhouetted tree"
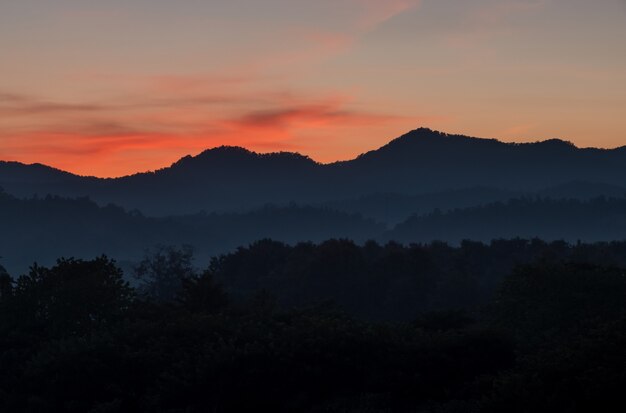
[[201, 294], [6, 284], [163, 271], [73, 297], [75, 338]]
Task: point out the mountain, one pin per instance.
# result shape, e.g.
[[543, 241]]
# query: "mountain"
[[582, 190], [43, 229], [47, 228], [37, 179], [393, 208], [419, 162], [572, 220]]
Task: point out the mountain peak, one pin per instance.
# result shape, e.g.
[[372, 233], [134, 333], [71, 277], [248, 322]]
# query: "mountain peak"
[[12, 170], [421, 134], [240, 152], [556, 143], [421, 140], [236, 156], [430, 136], [225, 150]]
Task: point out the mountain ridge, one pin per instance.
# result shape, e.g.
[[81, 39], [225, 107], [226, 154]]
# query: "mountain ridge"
[[229, 178], [403, 139]]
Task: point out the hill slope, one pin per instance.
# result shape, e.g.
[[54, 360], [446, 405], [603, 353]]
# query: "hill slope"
[[45, 229], [598, 219], [419, 162]]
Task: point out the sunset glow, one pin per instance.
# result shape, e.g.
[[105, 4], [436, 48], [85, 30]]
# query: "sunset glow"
[[117, 87]]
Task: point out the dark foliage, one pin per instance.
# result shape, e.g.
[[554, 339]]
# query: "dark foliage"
[[73, 297], [163, 271], [76, 338], [392, 281]]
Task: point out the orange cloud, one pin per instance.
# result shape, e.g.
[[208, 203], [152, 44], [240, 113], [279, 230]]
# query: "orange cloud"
[[308, 116], [18, 105], [115, 139]]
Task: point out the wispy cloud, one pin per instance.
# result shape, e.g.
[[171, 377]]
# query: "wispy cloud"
[[309, 116], [484, 20], [118, 137], [319, 44], [373, 13], [18, 105], [146, 121]]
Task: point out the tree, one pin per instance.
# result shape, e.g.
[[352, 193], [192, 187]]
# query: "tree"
[[6, 282], [163, 270], [73, 297], [202, 294]]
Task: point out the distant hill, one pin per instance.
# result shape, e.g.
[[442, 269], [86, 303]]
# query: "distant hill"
[[420, 162], [597, 219], [582, 190], [393, 208], [45, 229]]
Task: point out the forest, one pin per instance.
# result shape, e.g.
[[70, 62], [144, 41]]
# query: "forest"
[[44, 228], [328, 206], [417, 281], [513, 325]]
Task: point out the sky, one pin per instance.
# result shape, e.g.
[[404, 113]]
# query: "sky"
[[113, 87]]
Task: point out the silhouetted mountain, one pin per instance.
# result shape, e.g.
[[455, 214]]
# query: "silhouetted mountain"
[[582, 190], [422, 161], [27, 180], [44, 229], [393, 208], [598, 219]]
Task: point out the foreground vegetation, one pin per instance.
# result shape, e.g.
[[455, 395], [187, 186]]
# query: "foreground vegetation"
[[395, 282], [551, 336]]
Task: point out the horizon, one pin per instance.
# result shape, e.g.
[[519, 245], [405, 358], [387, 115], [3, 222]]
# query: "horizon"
[[260, 152], [111, 89], [328, 206]]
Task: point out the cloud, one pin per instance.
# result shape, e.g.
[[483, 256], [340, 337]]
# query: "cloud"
[[139, 122], [17, 105], [113, 138], [317, 44], [175, 82], [484, 20], [14, 105], [179, 83], [308, 116], [376, 12], [9, 98]]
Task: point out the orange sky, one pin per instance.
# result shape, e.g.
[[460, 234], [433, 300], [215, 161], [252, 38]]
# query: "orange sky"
[[117, 87]]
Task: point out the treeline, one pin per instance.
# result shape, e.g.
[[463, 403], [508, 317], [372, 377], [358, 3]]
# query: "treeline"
[[392, 281], [42, 229], [394, 208], [76, 337], [597, 219]]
